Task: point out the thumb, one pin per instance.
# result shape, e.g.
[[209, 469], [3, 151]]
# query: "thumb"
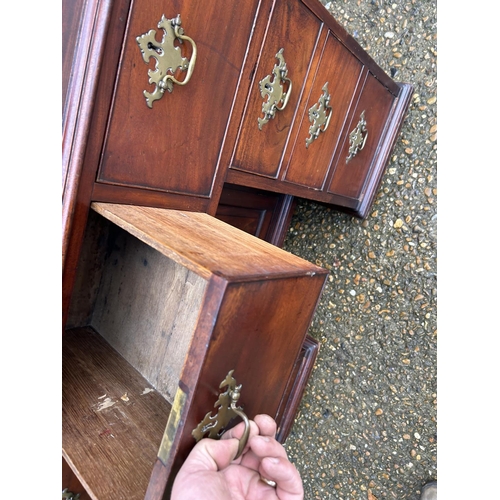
[[211, 455]]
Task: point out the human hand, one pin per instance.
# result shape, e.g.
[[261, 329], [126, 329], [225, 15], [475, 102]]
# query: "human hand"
[[210, 472]]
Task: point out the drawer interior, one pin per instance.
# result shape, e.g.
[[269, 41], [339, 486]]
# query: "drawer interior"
[[132, 318], [146, 308], [113, 419]]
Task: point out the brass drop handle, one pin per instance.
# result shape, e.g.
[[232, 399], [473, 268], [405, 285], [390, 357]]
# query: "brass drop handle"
[[168, 57], [357, 138], [319, 116], [234, 395], [276, 89], [214, 426], [179, 33]]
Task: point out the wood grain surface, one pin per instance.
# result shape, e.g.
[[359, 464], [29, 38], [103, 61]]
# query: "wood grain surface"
[[147, 308], [205, 244], [113, 420]]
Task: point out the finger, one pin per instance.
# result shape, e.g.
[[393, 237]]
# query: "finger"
[[211, 455], [261, 447], [287, 478], [267, 425]]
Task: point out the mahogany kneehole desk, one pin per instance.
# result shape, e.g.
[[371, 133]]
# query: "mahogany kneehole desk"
[[180, 177]]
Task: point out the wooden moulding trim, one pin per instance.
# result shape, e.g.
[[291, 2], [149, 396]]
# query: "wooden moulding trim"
[[76, 80], [126, 195], [281, 221], [92, 62], [296, 387]]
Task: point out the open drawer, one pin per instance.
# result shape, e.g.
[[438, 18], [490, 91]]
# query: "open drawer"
[[168, 304]]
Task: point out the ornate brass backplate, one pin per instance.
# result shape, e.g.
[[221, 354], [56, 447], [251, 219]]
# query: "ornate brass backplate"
[[357, 138], [319, 116], [273, 91], [214, 426], [168, 57]]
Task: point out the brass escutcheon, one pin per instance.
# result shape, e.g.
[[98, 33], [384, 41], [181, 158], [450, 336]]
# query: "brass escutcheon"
[[214, 426], [357, 138], [168, 57], [319, 116], [271, 87]]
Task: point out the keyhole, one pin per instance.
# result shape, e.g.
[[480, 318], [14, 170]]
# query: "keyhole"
[[158, 50]]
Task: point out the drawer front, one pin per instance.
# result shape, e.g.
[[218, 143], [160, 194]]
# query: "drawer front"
[[260, 347], [174, 145], [294, 29], [351, 173], [340, 71]]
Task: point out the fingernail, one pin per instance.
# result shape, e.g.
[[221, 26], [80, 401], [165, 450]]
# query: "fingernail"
[[274, 460]]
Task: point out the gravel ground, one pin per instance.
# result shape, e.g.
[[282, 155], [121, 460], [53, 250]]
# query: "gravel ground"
[[367, 427]]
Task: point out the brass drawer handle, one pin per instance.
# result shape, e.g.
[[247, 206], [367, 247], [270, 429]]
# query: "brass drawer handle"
[[277, 96], [357, 138], [319, 116], [215, 425], [168, 57]]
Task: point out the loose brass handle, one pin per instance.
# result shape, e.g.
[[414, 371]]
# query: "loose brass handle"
[[319, 116], [357, 138], [214, 426], [168, 57], [274, 90]]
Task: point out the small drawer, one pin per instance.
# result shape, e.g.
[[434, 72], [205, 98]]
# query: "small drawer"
[[338, 77], [354, 166], [295, 29], [174, 145]]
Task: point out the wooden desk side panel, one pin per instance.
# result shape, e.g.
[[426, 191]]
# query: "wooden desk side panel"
[[263, 214], [82, 147]]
